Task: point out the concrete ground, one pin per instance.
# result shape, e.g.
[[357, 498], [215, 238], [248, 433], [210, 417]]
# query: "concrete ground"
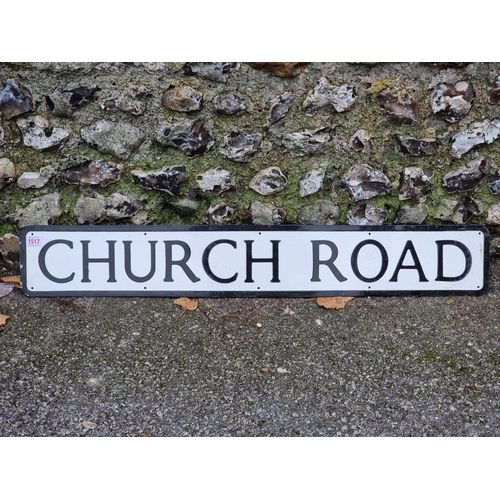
[[399, 366]]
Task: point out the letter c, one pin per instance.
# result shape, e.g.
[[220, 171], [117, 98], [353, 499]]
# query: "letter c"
[[206, 264], [43, 265]]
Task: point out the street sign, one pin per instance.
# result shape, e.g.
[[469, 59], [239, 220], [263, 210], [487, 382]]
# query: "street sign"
[[266, 261]]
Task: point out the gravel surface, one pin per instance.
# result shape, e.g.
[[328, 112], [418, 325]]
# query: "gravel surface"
[[401, 366]]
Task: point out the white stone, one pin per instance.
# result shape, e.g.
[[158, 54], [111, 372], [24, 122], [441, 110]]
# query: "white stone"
[[341, 98], [268, 181], [481, 133], [7, 172], [307, 142], [32, 180], [311, 182], [266, 214], [493, 216], [42, 211], [35, 134], [216, 179]]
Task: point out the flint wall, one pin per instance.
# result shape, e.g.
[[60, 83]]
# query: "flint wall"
[[239, 143]]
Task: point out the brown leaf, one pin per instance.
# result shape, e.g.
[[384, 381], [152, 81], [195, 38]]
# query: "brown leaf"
[[186, 303], [5, 289], [333, 302], [88, 424], [3, 319], [16, 280]]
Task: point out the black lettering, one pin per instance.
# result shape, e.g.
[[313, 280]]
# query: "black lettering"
[[206, 263], [354, 260], [110, 260], [328, 262], [416, 263], [274, 260], [181, 263], [43, 266], [440, 257], [128, 263]]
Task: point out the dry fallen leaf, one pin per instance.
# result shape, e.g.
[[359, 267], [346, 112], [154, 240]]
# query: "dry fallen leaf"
[[5, 289], [15, 280], [333, 302], [3, 319], [186, 303]]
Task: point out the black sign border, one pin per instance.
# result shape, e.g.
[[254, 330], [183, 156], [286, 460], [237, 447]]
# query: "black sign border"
[[257, 228]]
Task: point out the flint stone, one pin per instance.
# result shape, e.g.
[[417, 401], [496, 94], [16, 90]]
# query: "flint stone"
[[216, 179], [43, 211], [10, 249], [15, 99], [266, 214], [218, 71], [191, 137], [229, 104], [65, 103], [323, 212], [494, 93], [417, 147], [279, 107], [184, 205], [141, 90], [268, 181], [241, 145], [493, 216], [7, 172], [58, 104], [311, 182], [125, 103], [359, 140], [452, 102], [168, 179], [341, 98], [493, 182], [415, 183], [2, 137], [482, 133], [466, 178], [363, 182], [366, 215], [37, 134], [458, 212], [307, 142], [93, 173], [184, 99], [222, 213], [495, 246], [89, 210], [81, 95], [399, 110], [411, 214], [95, 210], [283, 69], [35, 180], [117, 139]]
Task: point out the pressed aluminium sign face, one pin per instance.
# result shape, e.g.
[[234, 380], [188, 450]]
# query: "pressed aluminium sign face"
[[267, 261]]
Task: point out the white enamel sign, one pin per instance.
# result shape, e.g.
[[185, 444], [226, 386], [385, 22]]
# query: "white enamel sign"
[[231, 261]]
